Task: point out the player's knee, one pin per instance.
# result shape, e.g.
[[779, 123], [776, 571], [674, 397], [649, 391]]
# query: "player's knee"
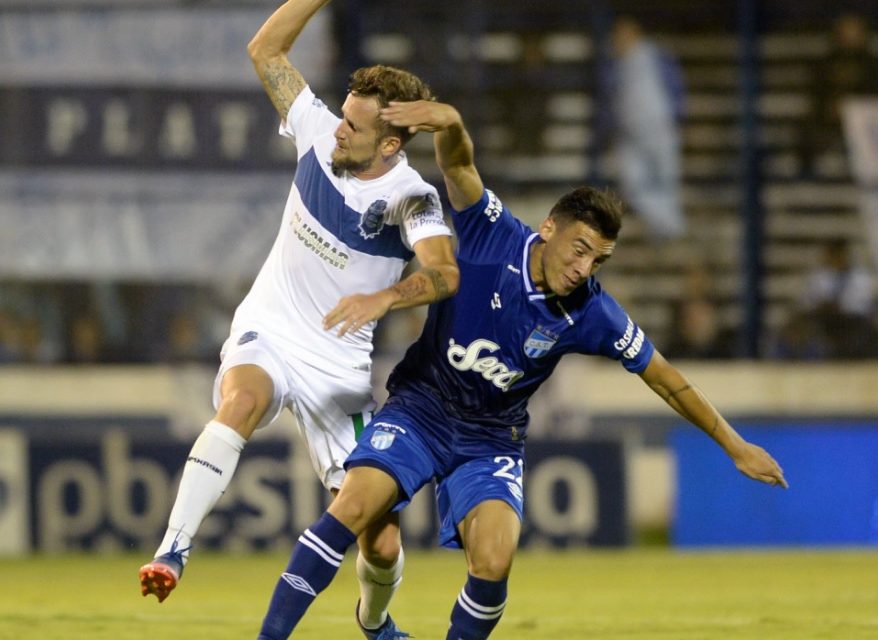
[[352, 512], [381, 552], [380, 544], [241, 407], [490, 566]]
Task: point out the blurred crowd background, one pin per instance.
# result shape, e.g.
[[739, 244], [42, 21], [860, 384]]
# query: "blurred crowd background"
[[141, 180]]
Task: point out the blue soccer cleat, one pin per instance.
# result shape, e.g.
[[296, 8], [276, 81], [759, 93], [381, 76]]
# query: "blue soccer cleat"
[[160, 576], [387, 631]]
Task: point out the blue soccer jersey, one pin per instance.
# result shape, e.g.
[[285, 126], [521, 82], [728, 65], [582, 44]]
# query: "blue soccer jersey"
[[485, 351]]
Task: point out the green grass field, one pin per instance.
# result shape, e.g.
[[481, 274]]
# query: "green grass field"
[[639, 594]]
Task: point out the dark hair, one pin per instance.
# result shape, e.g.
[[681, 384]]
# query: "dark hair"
[[600, 209], [389, 84]]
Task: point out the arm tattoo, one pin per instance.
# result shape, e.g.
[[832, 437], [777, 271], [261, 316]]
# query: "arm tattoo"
[[682, 410], [439, 284], [410, 288], [283, 83], [673, 394]]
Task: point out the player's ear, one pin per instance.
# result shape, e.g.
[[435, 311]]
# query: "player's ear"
[[390, 145], [547, 228]]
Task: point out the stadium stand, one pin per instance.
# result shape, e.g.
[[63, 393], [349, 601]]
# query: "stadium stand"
[[523, 76], [524, 81]]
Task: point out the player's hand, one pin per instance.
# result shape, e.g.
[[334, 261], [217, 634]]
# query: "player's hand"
[[756, 463], [420, 115], [352, 312]]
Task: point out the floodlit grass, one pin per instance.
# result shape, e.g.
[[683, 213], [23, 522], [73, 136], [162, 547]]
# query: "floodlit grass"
[[612, 595]]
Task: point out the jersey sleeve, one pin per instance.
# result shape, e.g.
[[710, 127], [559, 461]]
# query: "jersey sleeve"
[[308, 117], [622, 339], [422, 216], [484, 227]]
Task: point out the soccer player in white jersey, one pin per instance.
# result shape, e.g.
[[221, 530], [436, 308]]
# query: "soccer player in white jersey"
[[302, 337]]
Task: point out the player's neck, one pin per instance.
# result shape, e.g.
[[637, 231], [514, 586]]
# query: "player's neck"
[[535, 265], [378, 168]]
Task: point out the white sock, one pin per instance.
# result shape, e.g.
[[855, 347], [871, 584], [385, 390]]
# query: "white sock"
[[208, 471], [377, 587]]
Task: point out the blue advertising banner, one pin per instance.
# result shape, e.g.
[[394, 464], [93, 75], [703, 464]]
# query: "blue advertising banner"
[[832, 499], [116, 491]]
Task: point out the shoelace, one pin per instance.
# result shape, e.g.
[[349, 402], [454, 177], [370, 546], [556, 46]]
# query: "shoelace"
[[176, 552]]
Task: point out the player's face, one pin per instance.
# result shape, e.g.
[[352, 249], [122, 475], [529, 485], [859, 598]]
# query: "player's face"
[[358, 137], [572, 252]]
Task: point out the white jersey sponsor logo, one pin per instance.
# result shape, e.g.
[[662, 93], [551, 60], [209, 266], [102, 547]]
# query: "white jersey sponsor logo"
[[467, 359], [312, 239]]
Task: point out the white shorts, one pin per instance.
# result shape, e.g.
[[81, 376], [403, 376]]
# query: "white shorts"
[[331, 404]]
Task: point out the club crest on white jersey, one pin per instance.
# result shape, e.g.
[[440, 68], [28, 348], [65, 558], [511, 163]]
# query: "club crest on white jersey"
[[372, 220], [470, 359]]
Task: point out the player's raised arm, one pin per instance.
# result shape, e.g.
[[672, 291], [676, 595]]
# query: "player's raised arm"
[[454, 147], [687, 400], [269, 48]]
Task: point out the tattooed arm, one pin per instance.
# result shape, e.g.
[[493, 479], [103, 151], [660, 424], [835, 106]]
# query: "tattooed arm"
[[269, 47], [437, 278], [687, 400]]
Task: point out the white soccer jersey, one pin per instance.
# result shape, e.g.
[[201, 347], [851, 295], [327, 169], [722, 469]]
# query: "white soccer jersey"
[[339, 236]]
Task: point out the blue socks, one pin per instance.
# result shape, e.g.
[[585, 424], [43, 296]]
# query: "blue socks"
[[314, 563], [477, 610]]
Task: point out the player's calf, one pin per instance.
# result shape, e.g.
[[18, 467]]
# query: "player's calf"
[[478, 609]]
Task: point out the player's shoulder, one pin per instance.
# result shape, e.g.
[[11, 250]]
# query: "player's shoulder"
[[407, 181], [488, 203], [410, 192], [597, 302], [610, 324], [596, 312]]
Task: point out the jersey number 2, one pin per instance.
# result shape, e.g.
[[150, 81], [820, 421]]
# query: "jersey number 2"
[[506, 471]]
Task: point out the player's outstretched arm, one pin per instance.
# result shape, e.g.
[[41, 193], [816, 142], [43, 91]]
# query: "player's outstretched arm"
[[437, 278], [454, 147], [269, 48], [687, 400]]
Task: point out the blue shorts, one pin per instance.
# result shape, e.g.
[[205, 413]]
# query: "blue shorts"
[[468, 471]]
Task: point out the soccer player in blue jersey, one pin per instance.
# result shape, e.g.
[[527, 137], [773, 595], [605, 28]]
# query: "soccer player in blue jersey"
[[457, 410]]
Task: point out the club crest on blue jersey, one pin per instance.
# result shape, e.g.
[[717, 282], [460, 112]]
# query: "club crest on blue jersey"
[[250, 336], [372, 221], [382, 440], [539, 342]]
